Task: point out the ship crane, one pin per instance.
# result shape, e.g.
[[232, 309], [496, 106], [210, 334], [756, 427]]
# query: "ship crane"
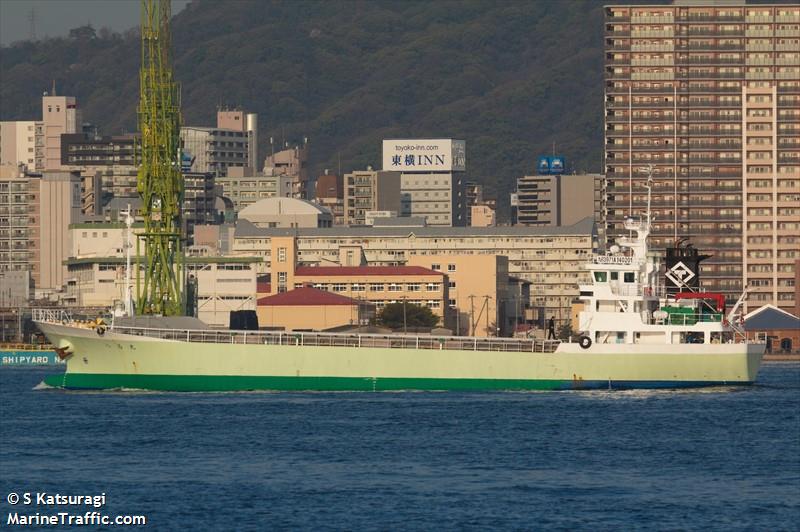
[[160, 274]]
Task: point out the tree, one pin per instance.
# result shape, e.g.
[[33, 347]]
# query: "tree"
[[415, 316], [565, 332]]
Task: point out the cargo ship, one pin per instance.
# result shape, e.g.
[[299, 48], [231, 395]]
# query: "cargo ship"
[[634, 334]]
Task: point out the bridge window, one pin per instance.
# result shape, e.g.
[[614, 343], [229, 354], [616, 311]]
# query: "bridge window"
[[600, 277], [615, 276], [629, 277]]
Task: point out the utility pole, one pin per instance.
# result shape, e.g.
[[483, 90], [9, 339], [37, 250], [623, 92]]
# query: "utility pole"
[[405, 328], [471, 315], [486, 303]]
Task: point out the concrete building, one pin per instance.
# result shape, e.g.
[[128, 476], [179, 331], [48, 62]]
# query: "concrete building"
[[561, 199], [15, 227], [60, 116], [309, 308], [292, 162], [15, 287], [432, 182], [55, 203], [108, 167], [483, 299], [198, 202], [367, 191], [96, 274], [214, 150], [21, 141], [229, 145], [87, 151], [378, 285], [329, 192], [244, 186], [35, 211], [551, 258], [287, 212], [482, 216], [709, 94], [18, 144], [243, 122]]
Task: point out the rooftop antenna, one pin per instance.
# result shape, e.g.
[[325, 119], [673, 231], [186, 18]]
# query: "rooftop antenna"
[[32, 23]]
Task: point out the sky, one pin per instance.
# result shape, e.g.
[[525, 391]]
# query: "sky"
[[54, 18]]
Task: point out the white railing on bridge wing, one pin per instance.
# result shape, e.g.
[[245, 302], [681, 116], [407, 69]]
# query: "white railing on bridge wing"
[[49, 315], [345, 340]]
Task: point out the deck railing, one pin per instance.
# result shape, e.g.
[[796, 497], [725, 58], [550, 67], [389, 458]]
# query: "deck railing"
[[306, 339]]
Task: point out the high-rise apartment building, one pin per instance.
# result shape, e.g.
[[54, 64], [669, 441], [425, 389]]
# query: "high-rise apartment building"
[[18, 143], [14, 222], [37, 144], [708, 94], [370, 190]]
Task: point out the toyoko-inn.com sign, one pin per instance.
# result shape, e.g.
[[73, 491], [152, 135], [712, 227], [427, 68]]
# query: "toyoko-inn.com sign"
[[424, 155]]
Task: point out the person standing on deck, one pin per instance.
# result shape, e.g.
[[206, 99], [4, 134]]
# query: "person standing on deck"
[[551, 328]]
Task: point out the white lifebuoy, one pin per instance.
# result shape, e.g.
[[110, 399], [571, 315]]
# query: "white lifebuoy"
[[585, 342]]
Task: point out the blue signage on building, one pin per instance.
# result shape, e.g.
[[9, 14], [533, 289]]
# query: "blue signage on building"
[[550, 165], [543, 166]]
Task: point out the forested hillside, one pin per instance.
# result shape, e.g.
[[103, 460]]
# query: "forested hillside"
[[511, 78]]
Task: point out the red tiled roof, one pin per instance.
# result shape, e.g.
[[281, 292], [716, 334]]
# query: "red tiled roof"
[[364, 270], [306, 296]]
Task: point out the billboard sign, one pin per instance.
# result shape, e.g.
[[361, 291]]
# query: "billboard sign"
[[424, 155], [550, 165]]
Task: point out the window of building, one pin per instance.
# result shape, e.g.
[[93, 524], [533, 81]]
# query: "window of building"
[[339, 287], [281, 254], [436, 267], [451, 267], [394, 287]]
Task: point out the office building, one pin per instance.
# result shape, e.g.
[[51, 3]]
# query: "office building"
[[708, 94], [367, 191]]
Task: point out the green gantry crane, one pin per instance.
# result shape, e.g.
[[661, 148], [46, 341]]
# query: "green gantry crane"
[[160, 275]]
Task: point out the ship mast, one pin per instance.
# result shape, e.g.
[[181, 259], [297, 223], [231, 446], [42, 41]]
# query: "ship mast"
[[159, 286]]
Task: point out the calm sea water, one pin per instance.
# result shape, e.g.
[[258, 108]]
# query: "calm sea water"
[[720, 458]]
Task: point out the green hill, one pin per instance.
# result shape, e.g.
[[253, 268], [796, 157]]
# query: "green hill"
[[511, 77]]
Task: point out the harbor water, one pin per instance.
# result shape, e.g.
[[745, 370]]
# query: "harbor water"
[[713, 459]]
